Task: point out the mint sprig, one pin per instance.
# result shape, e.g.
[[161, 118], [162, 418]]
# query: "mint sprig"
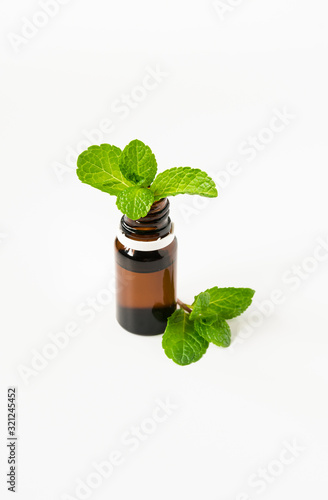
[[190, 329], [130, 175]]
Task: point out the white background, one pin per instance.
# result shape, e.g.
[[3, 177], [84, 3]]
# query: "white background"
[[225, 78]]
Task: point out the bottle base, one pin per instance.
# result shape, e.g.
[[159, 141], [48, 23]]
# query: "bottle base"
[[146, 322]]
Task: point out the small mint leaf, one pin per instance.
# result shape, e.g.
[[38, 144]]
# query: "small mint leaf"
[[135, 202], [201, 305], [98, 166], [227, 303], [215, 330], [138, 163], [181, 342], [183, 180]]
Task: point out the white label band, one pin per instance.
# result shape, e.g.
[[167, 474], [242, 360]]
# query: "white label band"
[[144, 246]]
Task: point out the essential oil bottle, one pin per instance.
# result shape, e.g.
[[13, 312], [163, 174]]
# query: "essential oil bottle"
[[146, 259]]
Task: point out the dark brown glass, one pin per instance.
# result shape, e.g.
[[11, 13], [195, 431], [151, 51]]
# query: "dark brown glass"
[[146, 280]]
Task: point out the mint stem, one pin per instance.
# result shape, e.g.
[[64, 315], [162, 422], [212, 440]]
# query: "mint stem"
[[184, 306]]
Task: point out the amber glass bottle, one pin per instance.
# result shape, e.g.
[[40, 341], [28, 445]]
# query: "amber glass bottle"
[[146, 254]]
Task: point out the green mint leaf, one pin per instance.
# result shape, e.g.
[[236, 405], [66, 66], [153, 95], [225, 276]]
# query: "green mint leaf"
[[227, 303], [201, 305], [135, 202], [99, 167], [183, 180], [138, 163], [181, 342], [215, 330]]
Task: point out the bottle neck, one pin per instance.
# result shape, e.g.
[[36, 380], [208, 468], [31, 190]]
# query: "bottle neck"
[[156, 224]]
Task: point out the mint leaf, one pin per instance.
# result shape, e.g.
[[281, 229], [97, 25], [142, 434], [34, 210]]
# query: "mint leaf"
[[227, 303], [183, 180], [99, 167], [138, 163], [215, 330], [181, 342], [201, 305], [135, 202]]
